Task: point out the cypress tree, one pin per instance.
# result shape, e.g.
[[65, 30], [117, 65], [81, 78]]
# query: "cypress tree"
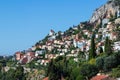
[[92, 52], [108, 49]]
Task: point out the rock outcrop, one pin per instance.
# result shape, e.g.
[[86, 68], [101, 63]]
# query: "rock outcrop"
[[106, 10]]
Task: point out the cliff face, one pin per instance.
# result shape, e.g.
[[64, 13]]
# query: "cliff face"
[[104, 11]]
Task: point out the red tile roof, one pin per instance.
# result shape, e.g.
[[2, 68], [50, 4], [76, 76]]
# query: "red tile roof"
[[46, 78], [18, 52], [25, 60], [99, 77]]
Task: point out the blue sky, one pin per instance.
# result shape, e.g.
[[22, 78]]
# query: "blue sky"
[[24, 22]]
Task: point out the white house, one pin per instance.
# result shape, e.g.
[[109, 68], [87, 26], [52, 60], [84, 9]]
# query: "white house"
[[75, 43], [39, 52], [62, 54], [33, 48], [116, 46]]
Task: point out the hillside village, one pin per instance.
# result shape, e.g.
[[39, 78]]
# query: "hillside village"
[[74, 42]]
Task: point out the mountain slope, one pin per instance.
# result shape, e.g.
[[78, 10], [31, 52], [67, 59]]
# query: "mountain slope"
[[110, 8]]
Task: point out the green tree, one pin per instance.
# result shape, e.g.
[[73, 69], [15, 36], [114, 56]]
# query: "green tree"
[[10, 75], [19, 73], [108, 49], [0, 67], [92, 52], [80, 77], [88, 70], [75, 73], [0, 70], [58, 68], [117, 56], [100, 63], [110, 62], [54, 70], [116, 72]]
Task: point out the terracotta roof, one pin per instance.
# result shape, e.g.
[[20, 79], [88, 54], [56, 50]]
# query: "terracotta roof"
[[24, 61], [32, 54], [46, 78], [99, 77], [18, 52]]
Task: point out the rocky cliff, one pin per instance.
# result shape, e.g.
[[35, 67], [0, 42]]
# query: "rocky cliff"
[[106, 10]]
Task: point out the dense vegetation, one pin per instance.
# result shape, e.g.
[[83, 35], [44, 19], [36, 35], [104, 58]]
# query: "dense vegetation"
[[69, 70]]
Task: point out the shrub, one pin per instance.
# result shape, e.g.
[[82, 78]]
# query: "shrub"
[[88, 70], [100, 63], [92, 61], [110, 62], [116, 72]]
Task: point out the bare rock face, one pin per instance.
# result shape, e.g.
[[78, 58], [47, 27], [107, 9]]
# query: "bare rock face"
[[104, 11]]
